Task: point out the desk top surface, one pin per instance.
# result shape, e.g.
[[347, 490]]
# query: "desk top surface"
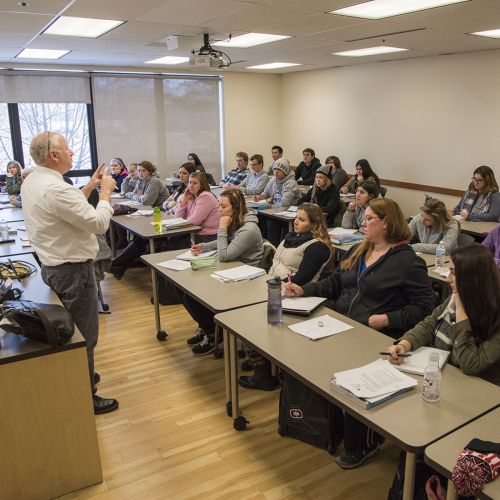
[[16, 347], [478, 228], [11, 214], [212, 293], [15, 248], [442, 455], [142, 226], [412, 422]]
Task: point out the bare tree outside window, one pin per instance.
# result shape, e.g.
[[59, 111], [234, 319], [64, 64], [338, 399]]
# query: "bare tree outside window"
[[5, 139], [69, 119]]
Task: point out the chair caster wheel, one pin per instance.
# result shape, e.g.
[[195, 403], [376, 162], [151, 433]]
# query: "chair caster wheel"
[[229, 408], [162, 335], [218, 354], [240, 423], [105, 307]]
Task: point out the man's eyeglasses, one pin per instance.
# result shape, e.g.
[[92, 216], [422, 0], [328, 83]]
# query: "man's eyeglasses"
[[368, 218]]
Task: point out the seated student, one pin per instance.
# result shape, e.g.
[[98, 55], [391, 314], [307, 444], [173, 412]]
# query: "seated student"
[[130, 182], [432, 225], [306, 170], [17, 200], [200, 207], [339, 175], [364, 172], [481, 201], [118, 172], [150, 190], [354, 215], [236, 176], [256, 180], [276, 152], [380, 283], [185, 170], [282, 191], [238, 238], [303, 255], [492, 242], [324, 193], [195, 160], [14, 177]]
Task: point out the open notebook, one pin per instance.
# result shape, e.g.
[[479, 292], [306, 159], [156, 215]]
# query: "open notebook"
[[240, 273], [302, 306], [419, 358]]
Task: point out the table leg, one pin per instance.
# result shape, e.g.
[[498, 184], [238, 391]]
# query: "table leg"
[[160, 334], [227, 373], [409, 483], [451, 493], [112, 239], [239, 422], [217, 351]]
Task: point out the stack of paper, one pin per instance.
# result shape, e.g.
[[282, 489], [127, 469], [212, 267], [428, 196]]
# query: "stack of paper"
[[417, 362], [115, 196], [320, 327], [261, 204], [174, 223], [139, 213], [240, 273], [176, 265], [372, 384], [189, 256], [303, 306], [131, 203], [288, 214], [339, 235], [441, 271]]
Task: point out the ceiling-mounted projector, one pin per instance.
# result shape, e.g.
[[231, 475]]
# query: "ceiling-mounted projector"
[[209, 57]]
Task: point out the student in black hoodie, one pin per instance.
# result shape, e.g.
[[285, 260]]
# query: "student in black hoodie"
[[306, 169], [324, 193], [381, 283]]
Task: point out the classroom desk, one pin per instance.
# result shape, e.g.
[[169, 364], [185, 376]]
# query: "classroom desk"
[[430, 259], [273, 213], [442, 455], [411, 422], [477, 228], [47, 424], [10, 213], [212, 293], [15, 248]]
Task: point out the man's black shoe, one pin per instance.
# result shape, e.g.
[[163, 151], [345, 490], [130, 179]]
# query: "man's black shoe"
[[117, 271], [97, 378], [104, 405]]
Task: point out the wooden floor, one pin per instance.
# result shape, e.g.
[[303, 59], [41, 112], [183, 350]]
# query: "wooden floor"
[[171, 438]]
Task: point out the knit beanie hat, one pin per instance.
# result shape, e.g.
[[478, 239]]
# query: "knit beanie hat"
[[282, 164], [325, 170]]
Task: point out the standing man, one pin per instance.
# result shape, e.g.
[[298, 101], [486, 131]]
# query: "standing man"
[[305, 172], [61, 226], [276, 153], [236, 176]]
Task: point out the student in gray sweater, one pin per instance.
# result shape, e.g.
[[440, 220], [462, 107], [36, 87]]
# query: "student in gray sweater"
[[150, 190], [238, 238], [432, 225]]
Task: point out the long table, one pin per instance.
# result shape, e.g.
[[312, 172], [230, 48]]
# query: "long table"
[[443, 454], [47, 424], [16, 247], [480, 229], [408, 420]]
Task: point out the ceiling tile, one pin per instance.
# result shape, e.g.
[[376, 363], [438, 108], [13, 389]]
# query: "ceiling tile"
[[22, 23], [52, 7]]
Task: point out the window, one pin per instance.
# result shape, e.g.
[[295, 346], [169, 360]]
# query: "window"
[[69, 119], [5, 138]]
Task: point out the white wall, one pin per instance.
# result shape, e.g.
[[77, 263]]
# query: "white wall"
[[427, 120]]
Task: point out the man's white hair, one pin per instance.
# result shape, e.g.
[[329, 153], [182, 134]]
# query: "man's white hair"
[[39, 147]]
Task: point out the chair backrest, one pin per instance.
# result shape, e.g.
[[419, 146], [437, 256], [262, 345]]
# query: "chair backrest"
[[266, 261], [337, 222], [464, 240]]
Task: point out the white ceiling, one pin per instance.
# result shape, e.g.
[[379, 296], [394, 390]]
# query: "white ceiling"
[[314, 34]]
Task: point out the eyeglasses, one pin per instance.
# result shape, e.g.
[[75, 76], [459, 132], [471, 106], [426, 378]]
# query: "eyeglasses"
[[475, 179], [368, 218]]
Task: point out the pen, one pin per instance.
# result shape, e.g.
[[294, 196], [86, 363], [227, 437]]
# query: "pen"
[[400, 355], [289, 278]]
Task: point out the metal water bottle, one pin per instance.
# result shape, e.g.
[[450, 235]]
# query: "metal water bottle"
[[274, 307]]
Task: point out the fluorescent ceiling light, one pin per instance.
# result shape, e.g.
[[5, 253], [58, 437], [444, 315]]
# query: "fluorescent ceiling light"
[[81, 26], [275, 65], [168, 60], [249, 40], [489, 33], [41, 54], [370, 51], [378, 9]]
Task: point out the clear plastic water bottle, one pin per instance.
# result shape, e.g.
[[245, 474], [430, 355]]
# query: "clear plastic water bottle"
[[274, 307], [157, 219], [277, 199], [431, 389], [440, 255], [4, 230]]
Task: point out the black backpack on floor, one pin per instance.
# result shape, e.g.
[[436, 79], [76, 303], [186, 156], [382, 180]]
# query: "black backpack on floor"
[[308, 417]]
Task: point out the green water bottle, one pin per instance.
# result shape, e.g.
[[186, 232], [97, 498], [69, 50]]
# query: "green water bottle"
[[157, 219]]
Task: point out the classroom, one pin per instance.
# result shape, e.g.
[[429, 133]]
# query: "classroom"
[[168, 83]]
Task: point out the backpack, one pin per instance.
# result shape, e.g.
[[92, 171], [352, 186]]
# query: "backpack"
[[266, 261]]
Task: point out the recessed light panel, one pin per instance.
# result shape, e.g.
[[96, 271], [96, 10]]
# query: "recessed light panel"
[[275, 65], [168, 60], [249, 40], [370, 51], [489, 33], [378, 9], [41, 54], [81, 26]]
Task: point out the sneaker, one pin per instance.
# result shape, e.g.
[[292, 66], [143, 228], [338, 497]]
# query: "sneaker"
[[196, 338], [247, 365], [206, 346], [354, 458]]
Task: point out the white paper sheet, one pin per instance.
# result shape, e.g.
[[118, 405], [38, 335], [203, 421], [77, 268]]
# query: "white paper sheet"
[[189, 256], [176, 265], [318, 328], [240, 273], [339, 231], [302, 303]]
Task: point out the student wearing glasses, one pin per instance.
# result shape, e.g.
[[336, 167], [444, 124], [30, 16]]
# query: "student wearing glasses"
[[256, 180], [481, 201], [380, 283]]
